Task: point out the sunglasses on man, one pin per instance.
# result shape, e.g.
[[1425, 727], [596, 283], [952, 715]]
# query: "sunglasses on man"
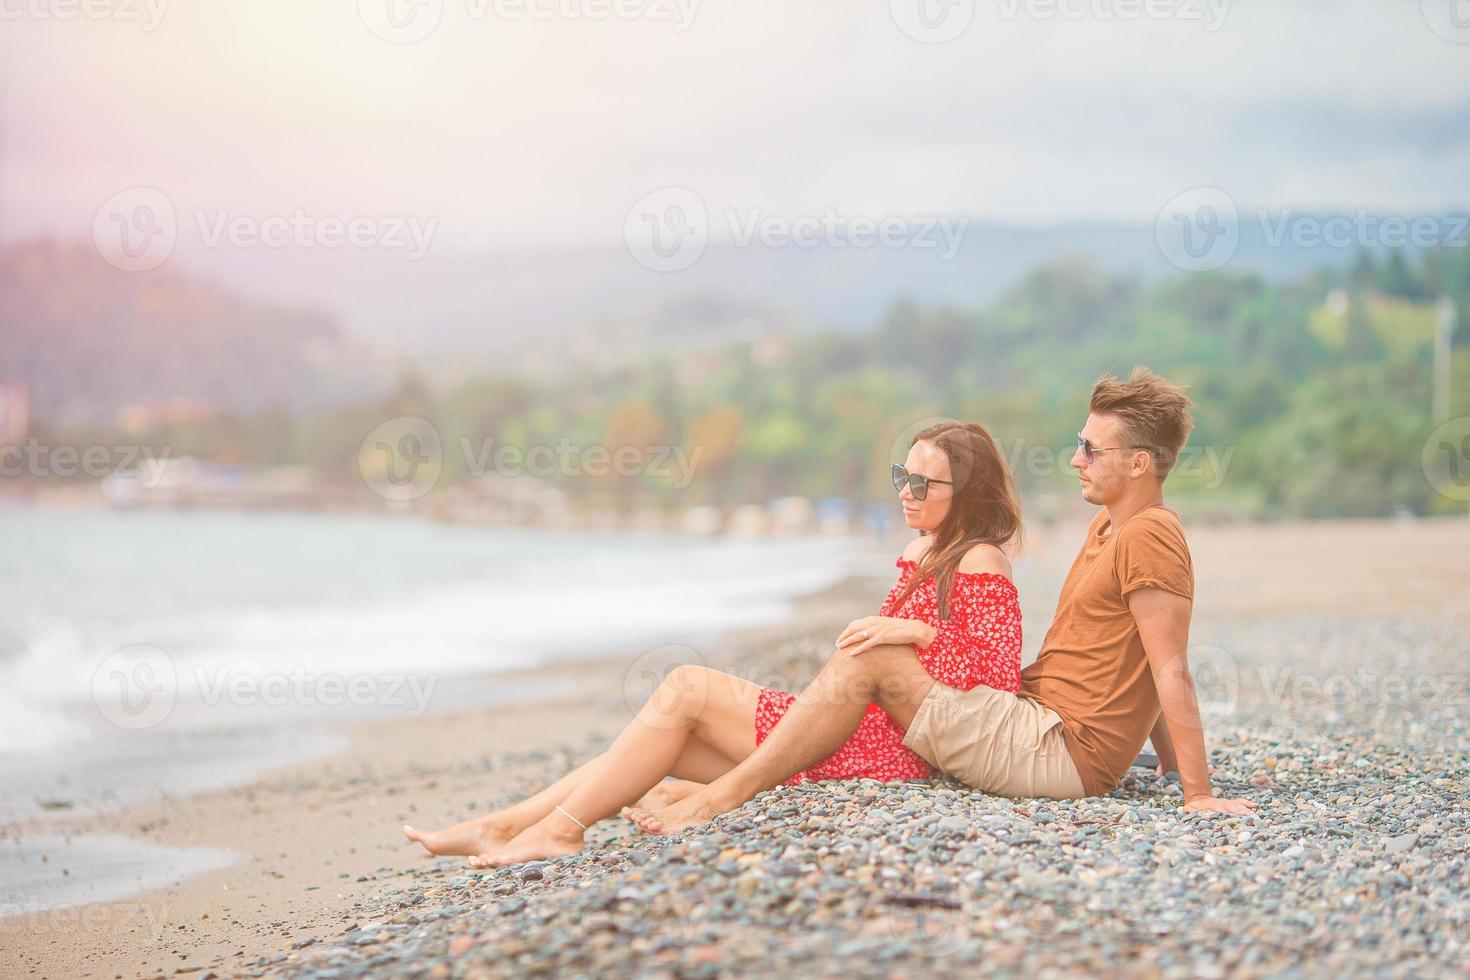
[[915, 482], [1090, 452]]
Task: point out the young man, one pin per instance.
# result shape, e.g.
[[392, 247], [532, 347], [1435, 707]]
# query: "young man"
[[1111, 673]]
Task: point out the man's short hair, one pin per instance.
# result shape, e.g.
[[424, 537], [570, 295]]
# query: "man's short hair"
[[1154, 412]]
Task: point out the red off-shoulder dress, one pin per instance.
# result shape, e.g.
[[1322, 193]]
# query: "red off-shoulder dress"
[[979, 644]]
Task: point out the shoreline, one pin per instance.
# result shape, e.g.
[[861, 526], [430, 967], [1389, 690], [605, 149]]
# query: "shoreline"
[[351, 803], [319, 840]]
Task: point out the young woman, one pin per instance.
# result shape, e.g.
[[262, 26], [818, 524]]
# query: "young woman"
[[953, 601]]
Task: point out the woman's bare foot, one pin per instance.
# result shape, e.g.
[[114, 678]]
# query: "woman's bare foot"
[[667, 793], [553, 836], [470, 837], [695, 809]]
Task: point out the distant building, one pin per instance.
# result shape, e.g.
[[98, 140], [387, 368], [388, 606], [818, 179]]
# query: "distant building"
[[15, 414], [142, 416]]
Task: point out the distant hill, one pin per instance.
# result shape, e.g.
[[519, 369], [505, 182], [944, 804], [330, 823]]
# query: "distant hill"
[[508, 300], [89, 340]]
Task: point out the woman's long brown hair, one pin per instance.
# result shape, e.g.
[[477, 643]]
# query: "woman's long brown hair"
[[983, 510]]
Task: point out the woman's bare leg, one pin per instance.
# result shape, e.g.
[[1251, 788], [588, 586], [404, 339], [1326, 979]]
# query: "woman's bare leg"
[[692, 705], [480, 834], [821, 719]]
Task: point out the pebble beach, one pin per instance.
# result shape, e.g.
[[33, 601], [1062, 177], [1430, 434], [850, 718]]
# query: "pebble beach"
[[1357, 863], [1336, 696]]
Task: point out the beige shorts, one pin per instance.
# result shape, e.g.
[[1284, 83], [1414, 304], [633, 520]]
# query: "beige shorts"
[[996, 742]]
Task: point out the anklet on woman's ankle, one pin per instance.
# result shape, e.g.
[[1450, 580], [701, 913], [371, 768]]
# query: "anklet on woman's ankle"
[[570, 817]]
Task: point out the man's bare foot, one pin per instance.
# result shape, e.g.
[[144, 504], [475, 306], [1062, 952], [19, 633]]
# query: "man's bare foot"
[[695, 809], [553, 836], [668, 792], [470, 837]]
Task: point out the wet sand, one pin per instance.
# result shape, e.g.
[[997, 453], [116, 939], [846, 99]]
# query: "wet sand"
[[316, 841]]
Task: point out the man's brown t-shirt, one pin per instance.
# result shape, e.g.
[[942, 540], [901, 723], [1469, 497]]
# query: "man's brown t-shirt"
[[1092, 669]]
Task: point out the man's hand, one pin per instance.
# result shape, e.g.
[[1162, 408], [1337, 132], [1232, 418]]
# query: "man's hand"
[[1214, 804]]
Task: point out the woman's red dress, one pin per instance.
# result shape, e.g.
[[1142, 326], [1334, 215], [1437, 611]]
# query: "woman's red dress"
[[979, 644]]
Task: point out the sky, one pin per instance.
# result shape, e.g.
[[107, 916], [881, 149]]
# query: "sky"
[[544, 121]]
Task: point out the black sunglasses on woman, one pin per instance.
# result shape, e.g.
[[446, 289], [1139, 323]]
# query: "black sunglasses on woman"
[[917, 483]]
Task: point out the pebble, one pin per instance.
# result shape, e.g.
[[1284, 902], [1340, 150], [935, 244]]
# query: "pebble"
[[1354, 865]]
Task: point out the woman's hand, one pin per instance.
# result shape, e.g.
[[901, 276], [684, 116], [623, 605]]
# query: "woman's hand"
[[871, 631]]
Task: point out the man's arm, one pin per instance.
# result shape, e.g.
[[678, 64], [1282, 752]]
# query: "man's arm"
[[1163, 746], [1163, 624]]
